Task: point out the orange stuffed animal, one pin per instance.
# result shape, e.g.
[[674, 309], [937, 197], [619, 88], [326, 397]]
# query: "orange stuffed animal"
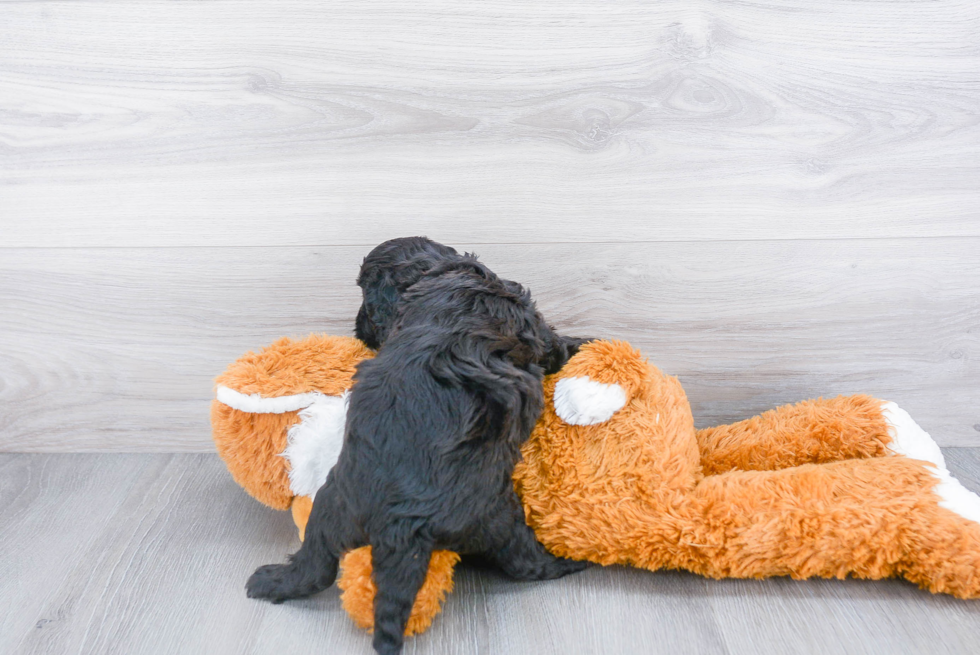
[[615, 473]]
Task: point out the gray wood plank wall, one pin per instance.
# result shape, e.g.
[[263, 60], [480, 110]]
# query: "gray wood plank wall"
[[775, 200]]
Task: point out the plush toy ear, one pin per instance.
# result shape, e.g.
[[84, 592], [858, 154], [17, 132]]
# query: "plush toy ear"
[[582, 401]]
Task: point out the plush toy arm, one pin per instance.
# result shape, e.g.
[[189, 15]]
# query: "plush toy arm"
[[810, 432]]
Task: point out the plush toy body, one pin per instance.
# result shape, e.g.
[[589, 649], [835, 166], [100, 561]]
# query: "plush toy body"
[[615, 472]]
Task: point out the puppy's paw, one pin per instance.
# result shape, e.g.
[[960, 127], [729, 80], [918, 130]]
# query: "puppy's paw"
[[548, 568], [561, 567], [271, 582]]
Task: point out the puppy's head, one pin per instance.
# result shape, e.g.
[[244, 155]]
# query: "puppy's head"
[[387, 272]]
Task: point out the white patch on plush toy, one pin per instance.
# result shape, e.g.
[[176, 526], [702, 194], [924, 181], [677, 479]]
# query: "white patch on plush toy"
[[313, 445], [908, 438], [581, 401], [256, 404], [912, 441]]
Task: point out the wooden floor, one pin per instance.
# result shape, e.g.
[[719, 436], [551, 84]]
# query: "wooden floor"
[[148, 553]]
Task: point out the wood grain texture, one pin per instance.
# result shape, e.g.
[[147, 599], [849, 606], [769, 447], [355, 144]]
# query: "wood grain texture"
[[115, 349], [309, 123], [146, 554], [53, 511]]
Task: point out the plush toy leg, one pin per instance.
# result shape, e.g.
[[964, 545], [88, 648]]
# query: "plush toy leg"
[[358, 586], [525, 559], [912, 441], [358, 589], [869, 518], [810, 432], [301, 507]]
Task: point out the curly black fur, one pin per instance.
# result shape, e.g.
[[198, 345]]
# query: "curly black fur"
[[393, 267], [434, 430], [386, 273]]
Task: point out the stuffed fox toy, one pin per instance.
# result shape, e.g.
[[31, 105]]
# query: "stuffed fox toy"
[[615, 473]]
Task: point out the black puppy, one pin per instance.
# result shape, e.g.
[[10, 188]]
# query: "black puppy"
[[434, 429]]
